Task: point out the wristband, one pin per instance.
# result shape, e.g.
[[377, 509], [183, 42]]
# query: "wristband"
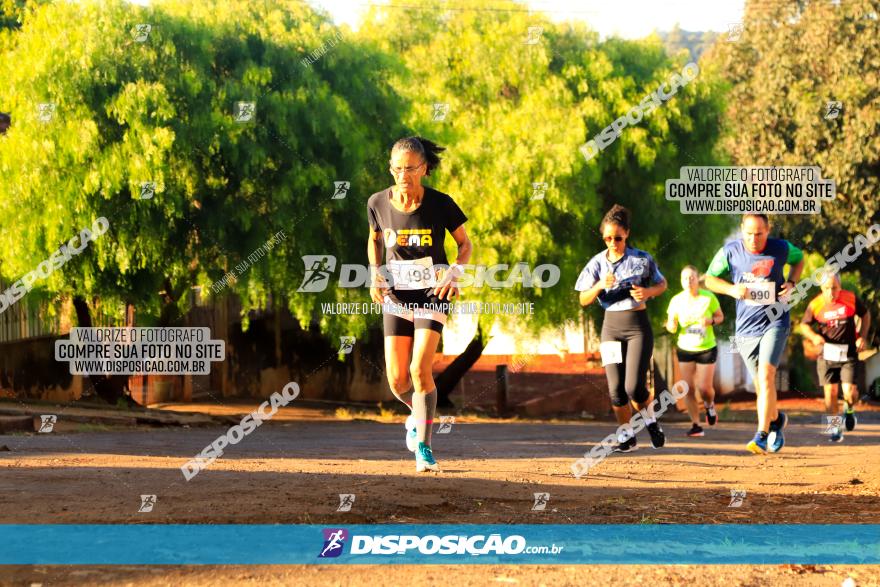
[[453, 272]]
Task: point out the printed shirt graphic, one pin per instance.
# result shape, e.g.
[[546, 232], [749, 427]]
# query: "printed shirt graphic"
[[692, 335], [835, 320], [409, 236], [636, 267], [746, 267]]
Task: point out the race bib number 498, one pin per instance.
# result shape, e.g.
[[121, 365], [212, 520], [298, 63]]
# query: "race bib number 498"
[[415, 274]]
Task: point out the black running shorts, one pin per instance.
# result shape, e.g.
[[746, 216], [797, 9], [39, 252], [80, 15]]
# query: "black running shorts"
[[406, 310]]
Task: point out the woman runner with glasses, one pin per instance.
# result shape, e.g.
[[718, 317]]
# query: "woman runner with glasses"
[[622, 278], [409, 221]]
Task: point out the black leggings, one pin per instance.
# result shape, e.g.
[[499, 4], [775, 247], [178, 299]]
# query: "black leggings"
[[629, 379]]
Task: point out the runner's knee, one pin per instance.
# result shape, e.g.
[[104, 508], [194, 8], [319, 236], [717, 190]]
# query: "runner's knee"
[[420, 373], [766, 372], [398, 376], [399, 382]]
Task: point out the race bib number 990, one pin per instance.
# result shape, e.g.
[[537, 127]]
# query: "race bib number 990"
[[762, 293], [415, 274]]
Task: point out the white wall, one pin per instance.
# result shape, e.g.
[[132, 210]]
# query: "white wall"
[[461, 328]]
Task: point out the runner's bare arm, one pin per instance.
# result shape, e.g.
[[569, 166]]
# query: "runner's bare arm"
[[722, 286], [806, 328], [374, 248], [810, 334], [865, 321], [640, 294], [374, 254], [672, 323], [465, 247], [793, 275], [447, 288], [588, 296]]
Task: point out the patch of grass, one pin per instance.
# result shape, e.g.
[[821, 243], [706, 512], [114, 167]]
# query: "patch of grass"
[[648, 520], [343, 414], [615, 500], [91, 428], [386, 415]]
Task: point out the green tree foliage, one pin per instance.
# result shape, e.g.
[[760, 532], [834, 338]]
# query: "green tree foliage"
[[162, 110], [518, 113], [694, 42], [328, 106], [11, 14], [792, 59]]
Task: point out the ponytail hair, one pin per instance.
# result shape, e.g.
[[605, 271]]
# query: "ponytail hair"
[[429, 150], [617, 215]]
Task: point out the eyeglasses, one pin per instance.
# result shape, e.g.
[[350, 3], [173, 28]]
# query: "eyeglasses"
[[616, 239], [409, 170]]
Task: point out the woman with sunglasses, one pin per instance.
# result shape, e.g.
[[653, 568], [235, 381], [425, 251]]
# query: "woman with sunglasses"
[[409, 221], [623, 278]]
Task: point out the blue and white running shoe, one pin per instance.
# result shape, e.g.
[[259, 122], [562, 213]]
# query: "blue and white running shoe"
[[776, 440]]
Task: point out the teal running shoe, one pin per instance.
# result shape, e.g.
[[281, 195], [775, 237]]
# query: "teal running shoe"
[[425, 459]]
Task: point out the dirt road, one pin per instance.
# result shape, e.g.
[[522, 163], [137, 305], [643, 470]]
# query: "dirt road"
[[293, 470]]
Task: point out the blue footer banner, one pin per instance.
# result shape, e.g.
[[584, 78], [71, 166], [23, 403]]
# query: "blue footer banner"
[[182, 544]]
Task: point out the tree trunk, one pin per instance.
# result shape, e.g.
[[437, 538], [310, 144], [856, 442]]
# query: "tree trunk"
[[109, 388], [450, 376]]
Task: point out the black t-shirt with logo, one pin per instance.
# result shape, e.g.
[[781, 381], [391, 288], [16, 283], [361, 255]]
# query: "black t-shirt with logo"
[[415, 236]]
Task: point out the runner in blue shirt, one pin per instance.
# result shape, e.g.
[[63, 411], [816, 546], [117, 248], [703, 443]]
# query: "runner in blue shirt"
[[622, 279], [755, 264]]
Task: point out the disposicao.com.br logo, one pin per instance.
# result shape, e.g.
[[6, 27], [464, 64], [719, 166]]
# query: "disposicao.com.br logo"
[[393, 544], [319, 269]]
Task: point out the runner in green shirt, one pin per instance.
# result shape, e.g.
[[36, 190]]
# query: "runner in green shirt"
[[690, 316]]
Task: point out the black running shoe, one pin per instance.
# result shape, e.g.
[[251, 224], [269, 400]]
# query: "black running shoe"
[[696, 430], [628, 445], [849, 420], [658, 439], [711, 416]]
